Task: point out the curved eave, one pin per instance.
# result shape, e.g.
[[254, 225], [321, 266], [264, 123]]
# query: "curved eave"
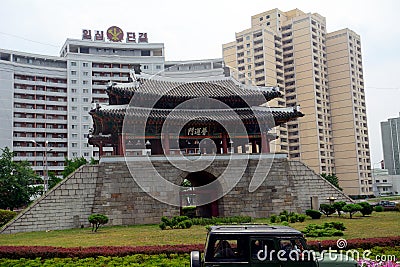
[[262, 115]]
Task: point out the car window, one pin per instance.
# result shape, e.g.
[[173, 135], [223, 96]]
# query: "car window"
[[293, 249], [228, 250], [262, 249]]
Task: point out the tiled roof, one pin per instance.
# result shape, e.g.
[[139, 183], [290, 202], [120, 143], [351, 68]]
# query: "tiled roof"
[[214, 89]]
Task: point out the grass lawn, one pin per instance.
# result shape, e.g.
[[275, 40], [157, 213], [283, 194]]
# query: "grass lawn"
[[380, 224]]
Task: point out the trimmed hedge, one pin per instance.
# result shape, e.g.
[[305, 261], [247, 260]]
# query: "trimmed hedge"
[[32, 252], [326, 229], [314, 214]]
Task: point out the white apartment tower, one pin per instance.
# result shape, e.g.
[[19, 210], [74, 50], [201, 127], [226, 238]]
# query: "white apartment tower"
[[45, 100], [294, 51]]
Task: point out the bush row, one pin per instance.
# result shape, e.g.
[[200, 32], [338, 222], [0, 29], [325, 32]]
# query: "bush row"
[[184, 222], [136, 260], [285, 216], [47, 252], [32, 252]]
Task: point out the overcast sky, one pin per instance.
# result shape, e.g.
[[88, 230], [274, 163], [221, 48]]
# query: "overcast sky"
[[197, 29]]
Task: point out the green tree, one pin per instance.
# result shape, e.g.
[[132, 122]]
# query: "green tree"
[[339, 206], [72, 164], [53, 180], [327, 209], [18, 182], [366, 208], [352, 209], [96, 220], [333, 179]]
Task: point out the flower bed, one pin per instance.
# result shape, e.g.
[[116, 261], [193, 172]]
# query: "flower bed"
[[46, 252]]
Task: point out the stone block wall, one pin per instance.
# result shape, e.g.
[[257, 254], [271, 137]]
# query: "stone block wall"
[[65, 206], [108, 188]]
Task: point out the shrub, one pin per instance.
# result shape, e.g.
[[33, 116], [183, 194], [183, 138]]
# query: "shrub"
[[283, 218], [176, 222], [352, 209], [366, 208], [339, 206], [189, 211], [221, 220], [314, 214], [326, 229], [378, 208], [335, 225], [301, 217], [274, 219], [6, 216], [96, 220], [293, 218], [327, 209], [285, 223]]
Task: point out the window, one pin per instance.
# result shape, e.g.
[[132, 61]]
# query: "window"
[[227, 250], [85, 91], [85, 108], [74, 154], [73, 63], [145, 53], [73, 90], [73, 81], [74, 108], [85, 99], [73, 99], [85, 73], [85, 127], [86, 154], [74, 126], [74, 118], [85, 82], [74, 136], [85, 64], [158, 67], [145, 67], [74, 144], [73, 72]]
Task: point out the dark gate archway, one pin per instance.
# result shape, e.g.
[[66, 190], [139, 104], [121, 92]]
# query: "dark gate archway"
[[193, 195]]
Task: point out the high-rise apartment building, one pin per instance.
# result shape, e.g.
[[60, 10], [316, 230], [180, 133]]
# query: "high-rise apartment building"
[[391, 145], [348, 111], [45, 101], [320, 72]]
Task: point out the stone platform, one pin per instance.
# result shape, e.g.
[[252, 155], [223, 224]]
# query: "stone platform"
[[109, 188]]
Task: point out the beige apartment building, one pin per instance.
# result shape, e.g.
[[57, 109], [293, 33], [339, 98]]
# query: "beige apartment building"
[[320, 72]]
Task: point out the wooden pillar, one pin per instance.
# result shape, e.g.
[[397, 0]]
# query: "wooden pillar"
[[120, 146], [264, 143], [166, 144], [254, 146], [224, 144], [101, 149]]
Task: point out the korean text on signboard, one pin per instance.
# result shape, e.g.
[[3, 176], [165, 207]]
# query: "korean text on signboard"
[[115, 34], [192, 131]]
